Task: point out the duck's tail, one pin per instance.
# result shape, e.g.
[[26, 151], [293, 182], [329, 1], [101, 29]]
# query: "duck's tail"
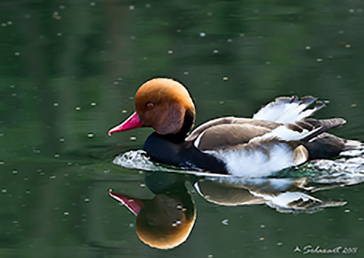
[[326, 146]]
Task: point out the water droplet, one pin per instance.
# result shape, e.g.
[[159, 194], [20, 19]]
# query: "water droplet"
[[202, 34], [225, 222], [131, 7]]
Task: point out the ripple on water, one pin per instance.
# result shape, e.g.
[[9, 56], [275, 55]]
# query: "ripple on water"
[[347, 169]]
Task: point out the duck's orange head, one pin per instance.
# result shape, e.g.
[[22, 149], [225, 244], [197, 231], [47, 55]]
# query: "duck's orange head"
[[163, 104]]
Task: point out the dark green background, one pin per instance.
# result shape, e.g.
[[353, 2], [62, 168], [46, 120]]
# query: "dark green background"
[[69, 69]]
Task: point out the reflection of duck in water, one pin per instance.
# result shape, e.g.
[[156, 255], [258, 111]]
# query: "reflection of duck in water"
[[165, 221], [283, 194], [278, 136]]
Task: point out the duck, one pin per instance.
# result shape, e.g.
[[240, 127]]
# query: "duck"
[[280, 135]]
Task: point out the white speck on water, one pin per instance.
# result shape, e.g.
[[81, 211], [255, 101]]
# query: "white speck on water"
[[170, 51], [132, 138], [78, 108], [351, 10], [62, 7], [261, 238], [216, 51], [93, 104], [55, 104], [202, 34], [347, 211], [10, 22], [142, 185], [279, 243], [116, 82], [185, 73], [339, 76], [3, 24], [4, 190], [174, 225], [86, 199], [347, 45], [319, 59], [229, 40], [225, 222], [92, 3], [57, 155], [17, 53], [209, 13], [341, 32], [178, 30], [59, 34], [90, 135], [2, 162], [131, 225], [262, 226], [221, 102], [131, 7], [15, 172], [66, 213], [124, 111], [52, 177], [268, 62], [148, 5], [308, 47], [225, 78]]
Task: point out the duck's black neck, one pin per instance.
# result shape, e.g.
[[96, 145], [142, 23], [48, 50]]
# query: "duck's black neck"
[[186, 127]]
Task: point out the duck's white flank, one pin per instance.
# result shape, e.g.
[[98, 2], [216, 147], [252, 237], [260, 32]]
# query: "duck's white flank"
[[257, 159]]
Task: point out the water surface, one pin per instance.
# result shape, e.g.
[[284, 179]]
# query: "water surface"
[[69, 71]]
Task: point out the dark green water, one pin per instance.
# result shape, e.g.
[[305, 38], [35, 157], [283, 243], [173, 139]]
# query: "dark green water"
[[69, 71]]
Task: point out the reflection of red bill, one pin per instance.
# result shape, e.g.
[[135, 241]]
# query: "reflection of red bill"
[[131, 123], [132, 203]]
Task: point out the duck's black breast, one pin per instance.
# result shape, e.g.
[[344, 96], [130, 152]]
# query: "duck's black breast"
[[163, 149]]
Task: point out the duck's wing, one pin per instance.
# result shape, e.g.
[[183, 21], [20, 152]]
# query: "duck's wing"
[[282, 110], [288, 109], [228, 135], [235, 123]]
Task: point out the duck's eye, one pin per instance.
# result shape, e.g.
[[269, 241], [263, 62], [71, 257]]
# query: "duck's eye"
[[149, 105]]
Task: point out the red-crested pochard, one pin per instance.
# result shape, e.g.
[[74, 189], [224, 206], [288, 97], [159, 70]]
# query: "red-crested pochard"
[[278, 136]]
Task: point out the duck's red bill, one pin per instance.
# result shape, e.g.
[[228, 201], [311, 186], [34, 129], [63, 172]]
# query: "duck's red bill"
[[131, 123], [132, 203]]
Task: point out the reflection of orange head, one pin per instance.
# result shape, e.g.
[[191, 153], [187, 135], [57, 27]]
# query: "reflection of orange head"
[[165, 221]]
